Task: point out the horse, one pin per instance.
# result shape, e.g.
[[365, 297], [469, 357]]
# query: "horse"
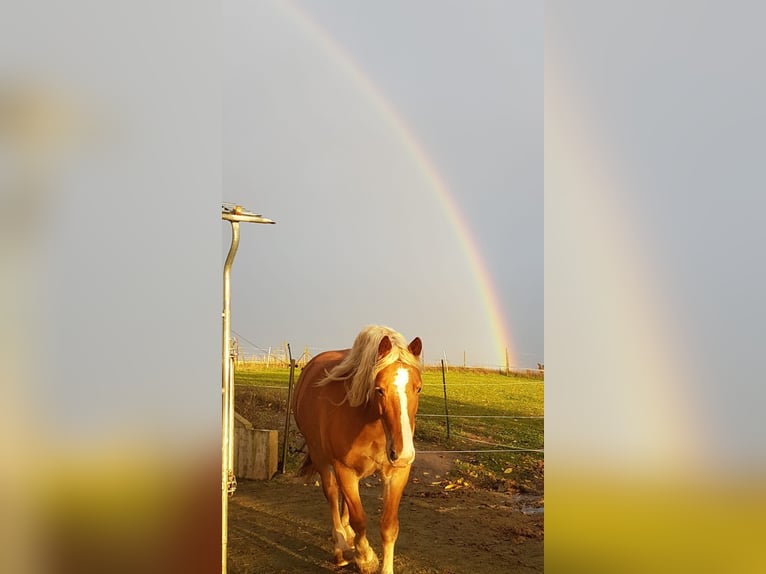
[[356, 410]]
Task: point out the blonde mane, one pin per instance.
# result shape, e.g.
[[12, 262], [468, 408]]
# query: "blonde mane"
[[361, 366]]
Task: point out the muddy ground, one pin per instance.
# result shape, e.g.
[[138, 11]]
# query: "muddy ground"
[[283, 525]]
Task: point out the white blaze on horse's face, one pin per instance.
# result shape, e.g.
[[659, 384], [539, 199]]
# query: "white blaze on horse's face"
[[397, 390], [398, 403], [408, 448]]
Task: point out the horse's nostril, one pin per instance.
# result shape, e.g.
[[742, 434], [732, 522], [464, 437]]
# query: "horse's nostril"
[[392, 455]]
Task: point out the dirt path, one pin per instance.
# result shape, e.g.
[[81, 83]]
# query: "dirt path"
[[283, 526]]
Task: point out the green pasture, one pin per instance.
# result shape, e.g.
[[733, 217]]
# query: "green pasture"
[[487, 394], [470, 393]]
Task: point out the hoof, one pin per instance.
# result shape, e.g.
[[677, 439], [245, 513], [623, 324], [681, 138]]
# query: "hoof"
[[340, 560], [369, 566]]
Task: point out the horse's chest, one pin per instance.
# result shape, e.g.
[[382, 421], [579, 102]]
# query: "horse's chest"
[[366, 457]]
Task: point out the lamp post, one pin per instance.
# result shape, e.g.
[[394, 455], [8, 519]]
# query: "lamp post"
[[234, 214]]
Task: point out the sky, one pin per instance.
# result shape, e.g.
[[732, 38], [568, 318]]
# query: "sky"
[[399, 148]]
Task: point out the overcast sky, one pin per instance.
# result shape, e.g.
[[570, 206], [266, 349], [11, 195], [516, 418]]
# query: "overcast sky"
[[351, 125], [324, 105]]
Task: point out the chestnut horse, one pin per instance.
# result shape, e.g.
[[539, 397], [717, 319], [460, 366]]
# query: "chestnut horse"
[[356, 409]]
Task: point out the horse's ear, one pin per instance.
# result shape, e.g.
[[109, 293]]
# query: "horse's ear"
[[416, 346], [385, 347]]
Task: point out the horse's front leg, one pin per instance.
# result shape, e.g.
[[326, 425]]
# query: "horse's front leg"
[[365, 558], [393, 486]]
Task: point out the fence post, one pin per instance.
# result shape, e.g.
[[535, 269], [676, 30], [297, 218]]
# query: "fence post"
[[287, 416], [444, 384]]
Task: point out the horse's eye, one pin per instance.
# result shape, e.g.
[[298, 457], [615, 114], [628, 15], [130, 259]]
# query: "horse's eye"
[[379, 391], [419, 389]]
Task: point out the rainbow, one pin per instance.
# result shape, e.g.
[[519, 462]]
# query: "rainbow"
[[409, 141]]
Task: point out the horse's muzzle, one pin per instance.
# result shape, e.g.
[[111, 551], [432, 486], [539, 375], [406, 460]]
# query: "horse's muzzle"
[[399, 461]]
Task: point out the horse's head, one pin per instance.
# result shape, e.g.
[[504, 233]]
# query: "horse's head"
[[396, 391]]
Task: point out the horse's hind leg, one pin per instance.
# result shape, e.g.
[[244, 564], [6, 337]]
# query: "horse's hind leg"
[[330, 488], [344, 519]]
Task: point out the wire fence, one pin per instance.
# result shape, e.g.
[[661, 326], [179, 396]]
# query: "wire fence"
[[459, 439], [481, 416]]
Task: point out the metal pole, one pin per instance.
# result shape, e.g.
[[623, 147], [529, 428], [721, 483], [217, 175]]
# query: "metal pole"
[[444, 384], [227, 470], [232, 482], [234, 214], [287, 416]]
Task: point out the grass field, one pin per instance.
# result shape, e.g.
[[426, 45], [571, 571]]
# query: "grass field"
[[475, 393], [470, 394]]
